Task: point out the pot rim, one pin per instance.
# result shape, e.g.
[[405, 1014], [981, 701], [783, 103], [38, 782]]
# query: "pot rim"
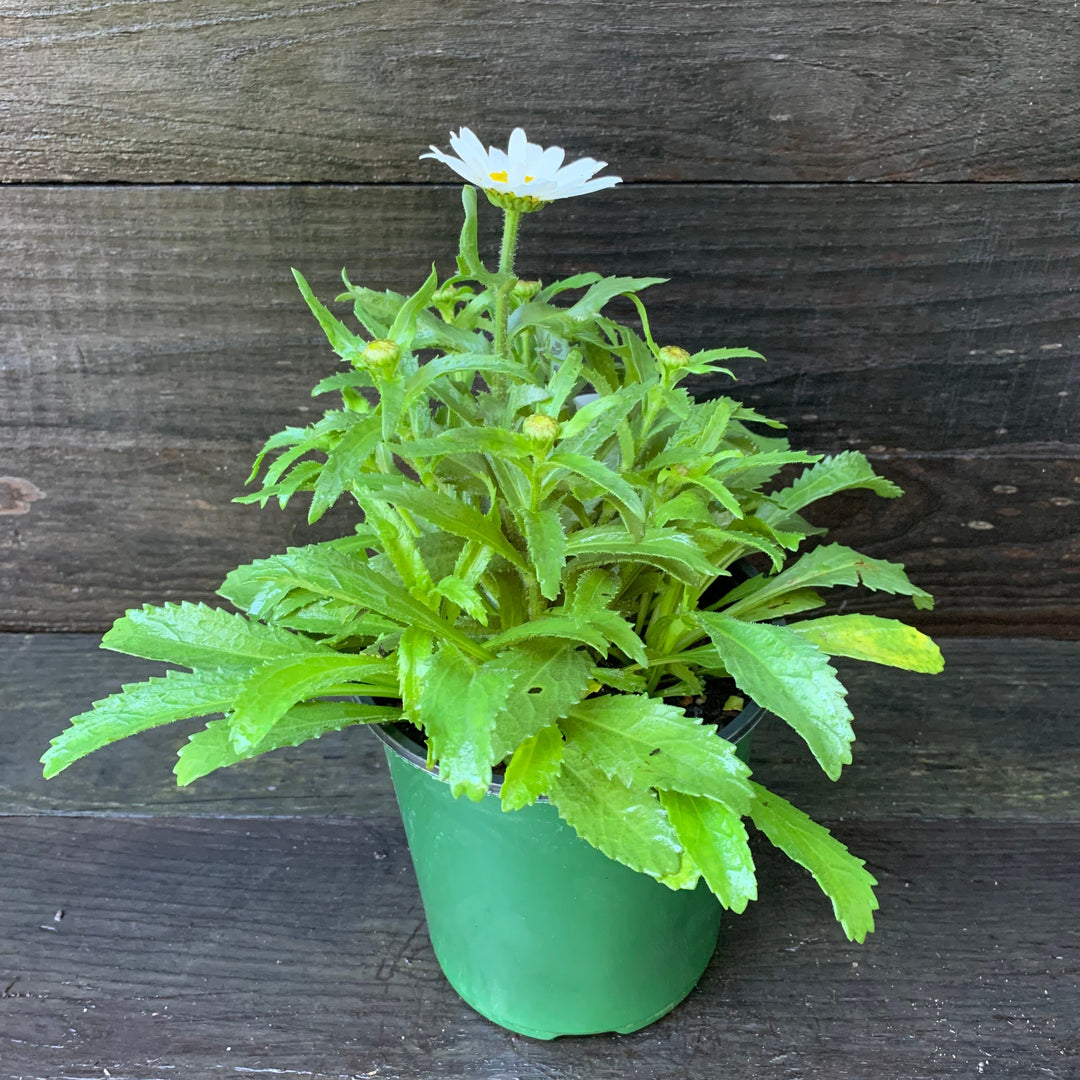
[[394, 736]]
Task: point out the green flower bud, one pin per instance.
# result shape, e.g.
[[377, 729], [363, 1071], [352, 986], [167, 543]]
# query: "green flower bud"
[[525, 290], [541, 430], [672, 357], [446, 294], [506, 200], [381, 357]]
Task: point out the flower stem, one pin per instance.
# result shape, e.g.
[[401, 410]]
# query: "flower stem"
[[511, 221]]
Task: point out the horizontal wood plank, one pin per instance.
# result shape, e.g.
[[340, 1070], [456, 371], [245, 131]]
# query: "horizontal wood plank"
[[947, 312], [298, 948], [154, 339], [665, 90], [993, 736]]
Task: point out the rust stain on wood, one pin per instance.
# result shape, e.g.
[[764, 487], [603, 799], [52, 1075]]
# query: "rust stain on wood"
[[17, 494]]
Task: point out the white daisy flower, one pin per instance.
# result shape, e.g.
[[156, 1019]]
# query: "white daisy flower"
[[524, 175]]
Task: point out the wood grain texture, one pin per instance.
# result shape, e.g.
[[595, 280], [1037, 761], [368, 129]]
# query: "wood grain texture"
[[994, 737], [298, 948], [934, 327], [353, 90]]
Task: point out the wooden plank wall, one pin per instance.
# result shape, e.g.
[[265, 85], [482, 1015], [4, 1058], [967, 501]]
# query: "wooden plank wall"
[[881, 197]]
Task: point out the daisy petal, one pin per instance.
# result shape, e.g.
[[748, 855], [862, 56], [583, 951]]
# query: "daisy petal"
[[522, 169]]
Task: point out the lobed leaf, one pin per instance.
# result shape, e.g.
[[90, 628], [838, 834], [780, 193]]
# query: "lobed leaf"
[[532, 769], [547, 678], [197, 636], [275, 687], [342, 340], [627, 824], [212, 748], [546, 541], [840, 472], [458, 705], [139, 707], [715, 839], [790, 677], [842, 877], [642, 741], [343, 461]]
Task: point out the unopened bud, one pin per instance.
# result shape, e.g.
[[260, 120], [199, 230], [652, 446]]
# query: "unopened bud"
[[672, 356], [541, 430], [381, 356], [525, 290], [445, 294]]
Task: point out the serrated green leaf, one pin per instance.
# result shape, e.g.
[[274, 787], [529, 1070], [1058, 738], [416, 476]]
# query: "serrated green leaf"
[[569, 627], [289, 437], [596, 421], [627, 824], [642, 741], [465, 597], [404, 325], [458, 706], [421, 381], [468, 440], [275, 687], [547, 678], [616, 630], [685, 506], [212, 749], [535, 764], [606, 290], [868, 637], [626, 682], [442, 511], [841, 472], [719, 492], [355, 379], [790, 677], [831, 564], [670, 549], [715, 838], [564, 381], [342, 340], [197, 636], [301, 478], [546, 540], [414, 656], [139, 707], [326, 572], [575, 281], [343, 461], [627, 499], [842, 877]]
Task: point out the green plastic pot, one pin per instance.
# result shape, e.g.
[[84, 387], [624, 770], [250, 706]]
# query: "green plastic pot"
[[536, 929]]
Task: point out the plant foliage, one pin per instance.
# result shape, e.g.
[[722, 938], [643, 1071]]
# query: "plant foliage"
[[545, 563]]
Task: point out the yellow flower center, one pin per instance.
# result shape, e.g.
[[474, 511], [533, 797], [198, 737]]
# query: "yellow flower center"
[[502, 178]]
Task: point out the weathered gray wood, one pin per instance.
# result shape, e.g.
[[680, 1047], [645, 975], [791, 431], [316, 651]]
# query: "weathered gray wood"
[[138, 320], [665, 90], [298, 948], [154, 524], [994, 736]]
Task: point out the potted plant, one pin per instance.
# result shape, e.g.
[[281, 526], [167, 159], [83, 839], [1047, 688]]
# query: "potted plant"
[[548, 576]]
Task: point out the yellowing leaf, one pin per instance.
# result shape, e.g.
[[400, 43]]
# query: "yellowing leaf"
[[868, 637]]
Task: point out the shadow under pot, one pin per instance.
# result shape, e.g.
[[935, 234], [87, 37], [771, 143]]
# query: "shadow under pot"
[[533, 927]]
